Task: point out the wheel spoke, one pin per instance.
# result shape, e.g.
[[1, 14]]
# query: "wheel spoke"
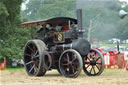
[[89, 57], [97, 67], [97, 58], [65, 59], [68, 57], [74, 58], [34, 48], [91, 70], [65, 64], [32, 68], [98, 63], [30, 48], [29, 62], [35, 53], [87, 66], [75, 67], [72, 69], [94, 70], [28, 54], [35, 69], [87, 62], [35, 56], [37, 63]]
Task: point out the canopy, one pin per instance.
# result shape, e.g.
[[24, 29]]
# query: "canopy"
[[53, 21]]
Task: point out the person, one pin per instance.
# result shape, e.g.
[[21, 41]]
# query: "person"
[[126, 61], [42, 32], [95, 47], [58, 28]]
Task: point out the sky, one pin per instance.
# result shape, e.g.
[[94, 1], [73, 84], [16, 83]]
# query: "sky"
[[23, 5], [124, 0]]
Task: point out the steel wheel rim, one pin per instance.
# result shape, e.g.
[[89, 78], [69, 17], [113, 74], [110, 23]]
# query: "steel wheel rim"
[[93, 63], [31, 59], [47, 60], [69, 64]]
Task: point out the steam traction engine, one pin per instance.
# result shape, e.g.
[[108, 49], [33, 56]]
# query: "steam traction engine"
[[60, 45]]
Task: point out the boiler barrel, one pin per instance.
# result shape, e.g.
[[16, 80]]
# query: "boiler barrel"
[[64, 47], [80, 45]]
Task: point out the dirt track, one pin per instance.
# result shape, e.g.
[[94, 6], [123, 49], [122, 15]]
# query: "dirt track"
[[109, 77]]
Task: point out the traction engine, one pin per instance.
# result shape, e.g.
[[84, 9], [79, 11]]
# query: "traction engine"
[[60, 45]]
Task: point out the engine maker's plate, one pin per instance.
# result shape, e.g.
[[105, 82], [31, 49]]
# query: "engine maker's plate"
[[59, 37]]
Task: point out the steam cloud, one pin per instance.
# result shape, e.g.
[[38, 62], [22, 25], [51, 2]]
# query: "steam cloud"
[[92, 3]]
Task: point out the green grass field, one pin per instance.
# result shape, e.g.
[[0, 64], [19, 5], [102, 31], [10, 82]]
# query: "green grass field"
[[112, 45], [14, 69]]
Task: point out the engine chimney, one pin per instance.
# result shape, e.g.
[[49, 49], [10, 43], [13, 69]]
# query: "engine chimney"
[[80, 24]]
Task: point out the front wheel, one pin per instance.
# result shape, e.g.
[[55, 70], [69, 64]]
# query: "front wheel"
[[93, 63], [70, 63]]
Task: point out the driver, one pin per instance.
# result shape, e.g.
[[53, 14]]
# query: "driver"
[[58, 28], [42, 32]]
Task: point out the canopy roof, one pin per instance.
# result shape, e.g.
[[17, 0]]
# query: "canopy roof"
[[52, 21]]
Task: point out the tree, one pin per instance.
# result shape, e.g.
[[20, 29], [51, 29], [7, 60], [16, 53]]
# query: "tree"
[[41, 9], [102, 22], [9, 28]]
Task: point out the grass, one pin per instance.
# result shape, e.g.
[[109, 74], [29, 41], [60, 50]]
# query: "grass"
[[14, 69], [112, 45], [113, 71]]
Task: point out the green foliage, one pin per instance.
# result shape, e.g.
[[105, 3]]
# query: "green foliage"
[[3, 15], [12, 38], [105, 20], [3, 11], [42, 9], [13, 46]]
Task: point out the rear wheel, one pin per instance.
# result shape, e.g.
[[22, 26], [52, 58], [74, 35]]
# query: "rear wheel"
[[47, 60], [93, 64], [33, 57], [70, 63]]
